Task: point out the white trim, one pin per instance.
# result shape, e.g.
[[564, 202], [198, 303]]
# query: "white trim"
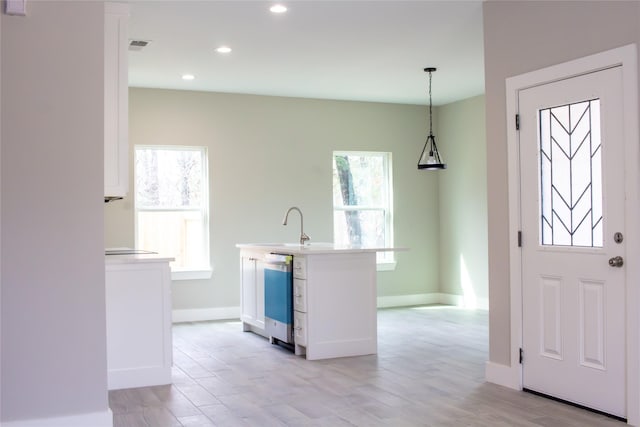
[[408, 300], [205, 273], [451, 299], [626, 57], [632, 213], [226, 313], [503, 375], [461, 301], [515, 264], [140, 376], [93, 419], [386, 265], [205, 314], [428, 299]]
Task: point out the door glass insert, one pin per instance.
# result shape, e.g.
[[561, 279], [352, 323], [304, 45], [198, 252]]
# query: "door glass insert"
[[571, 175]]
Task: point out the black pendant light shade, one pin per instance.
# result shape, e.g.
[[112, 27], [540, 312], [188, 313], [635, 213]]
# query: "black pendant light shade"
[[430, 157]]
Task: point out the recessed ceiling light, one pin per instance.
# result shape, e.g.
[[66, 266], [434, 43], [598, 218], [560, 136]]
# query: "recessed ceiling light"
[[188, 77], [278, 8], [223, 49]]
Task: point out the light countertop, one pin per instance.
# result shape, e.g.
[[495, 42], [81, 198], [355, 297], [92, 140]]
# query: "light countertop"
[[122, 256], [313, 248]]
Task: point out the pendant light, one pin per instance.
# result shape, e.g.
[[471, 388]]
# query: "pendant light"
[[430, 158]]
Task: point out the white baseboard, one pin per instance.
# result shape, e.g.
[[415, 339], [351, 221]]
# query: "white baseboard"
[[461, 301], [140, 376], [223, 313], [204, 314], [506, 376], [93, 419], [431, 298], [407, 300]]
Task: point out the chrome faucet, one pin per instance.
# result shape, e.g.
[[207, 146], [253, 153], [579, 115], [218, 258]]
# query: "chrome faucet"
[[303, 237]]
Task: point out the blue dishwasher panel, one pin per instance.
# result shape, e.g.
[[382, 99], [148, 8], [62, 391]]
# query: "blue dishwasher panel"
[[278, 298], [278, 294]]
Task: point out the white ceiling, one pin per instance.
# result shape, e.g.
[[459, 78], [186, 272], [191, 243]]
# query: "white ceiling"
[[348, 50]]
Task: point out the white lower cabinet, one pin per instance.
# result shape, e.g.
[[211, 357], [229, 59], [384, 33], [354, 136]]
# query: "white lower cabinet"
[[340, 295], [138, 314], [334, 302], [252, 292]]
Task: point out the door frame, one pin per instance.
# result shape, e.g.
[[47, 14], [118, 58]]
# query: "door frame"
[[626, 57]]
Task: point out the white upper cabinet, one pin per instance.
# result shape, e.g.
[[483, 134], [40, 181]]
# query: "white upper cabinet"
[[116, 109]]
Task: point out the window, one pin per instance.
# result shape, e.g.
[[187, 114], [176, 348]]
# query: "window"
[[571, 175], [362, 200], [172, 206]]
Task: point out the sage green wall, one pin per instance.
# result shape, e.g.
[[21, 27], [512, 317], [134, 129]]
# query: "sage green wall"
[[463, 201], [269, 153], [519, 37]]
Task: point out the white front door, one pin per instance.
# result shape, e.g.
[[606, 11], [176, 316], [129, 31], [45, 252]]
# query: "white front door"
[[572, 209]]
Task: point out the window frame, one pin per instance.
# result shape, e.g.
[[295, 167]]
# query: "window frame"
[[196, 272], [385, 260]]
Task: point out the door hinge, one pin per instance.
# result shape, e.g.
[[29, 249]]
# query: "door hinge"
[[519, 238], [517, 121], [521, 358]]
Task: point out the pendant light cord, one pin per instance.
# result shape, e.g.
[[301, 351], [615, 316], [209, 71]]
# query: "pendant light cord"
[[430, 116]]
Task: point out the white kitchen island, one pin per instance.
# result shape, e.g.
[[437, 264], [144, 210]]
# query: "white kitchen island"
[[138, 306], [334, 297]]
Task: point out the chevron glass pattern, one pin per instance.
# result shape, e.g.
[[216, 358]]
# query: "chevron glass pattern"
[[571, 175]]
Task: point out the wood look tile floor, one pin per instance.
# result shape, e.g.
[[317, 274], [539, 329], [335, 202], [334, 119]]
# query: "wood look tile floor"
[[429, 371]]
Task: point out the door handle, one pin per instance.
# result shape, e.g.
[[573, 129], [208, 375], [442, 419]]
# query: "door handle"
[[616, 261]]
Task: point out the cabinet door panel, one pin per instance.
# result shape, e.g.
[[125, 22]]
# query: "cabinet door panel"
[[300, 328], [259, 286], [138, 324], [300, 295], [252, 290], [116, 93], [249, 291], [299, 267]]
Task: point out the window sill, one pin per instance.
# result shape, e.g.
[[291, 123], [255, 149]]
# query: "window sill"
[[386, 266], [205, 273]]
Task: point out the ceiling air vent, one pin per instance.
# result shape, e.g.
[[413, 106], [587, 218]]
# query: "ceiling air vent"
[[138, 44]]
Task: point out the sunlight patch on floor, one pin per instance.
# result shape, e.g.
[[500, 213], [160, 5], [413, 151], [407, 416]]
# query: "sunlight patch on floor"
[[439, 307]]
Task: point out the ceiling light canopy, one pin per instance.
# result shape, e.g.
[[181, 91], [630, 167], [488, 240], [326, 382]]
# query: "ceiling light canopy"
[[430, 158], [188, 77], [278, 8], [223, 49]]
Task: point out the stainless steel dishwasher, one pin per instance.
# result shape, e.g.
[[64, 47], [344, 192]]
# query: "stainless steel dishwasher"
[[278, 298]]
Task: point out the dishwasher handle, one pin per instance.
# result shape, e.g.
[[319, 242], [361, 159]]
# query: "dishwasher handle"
[[274, 258]]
